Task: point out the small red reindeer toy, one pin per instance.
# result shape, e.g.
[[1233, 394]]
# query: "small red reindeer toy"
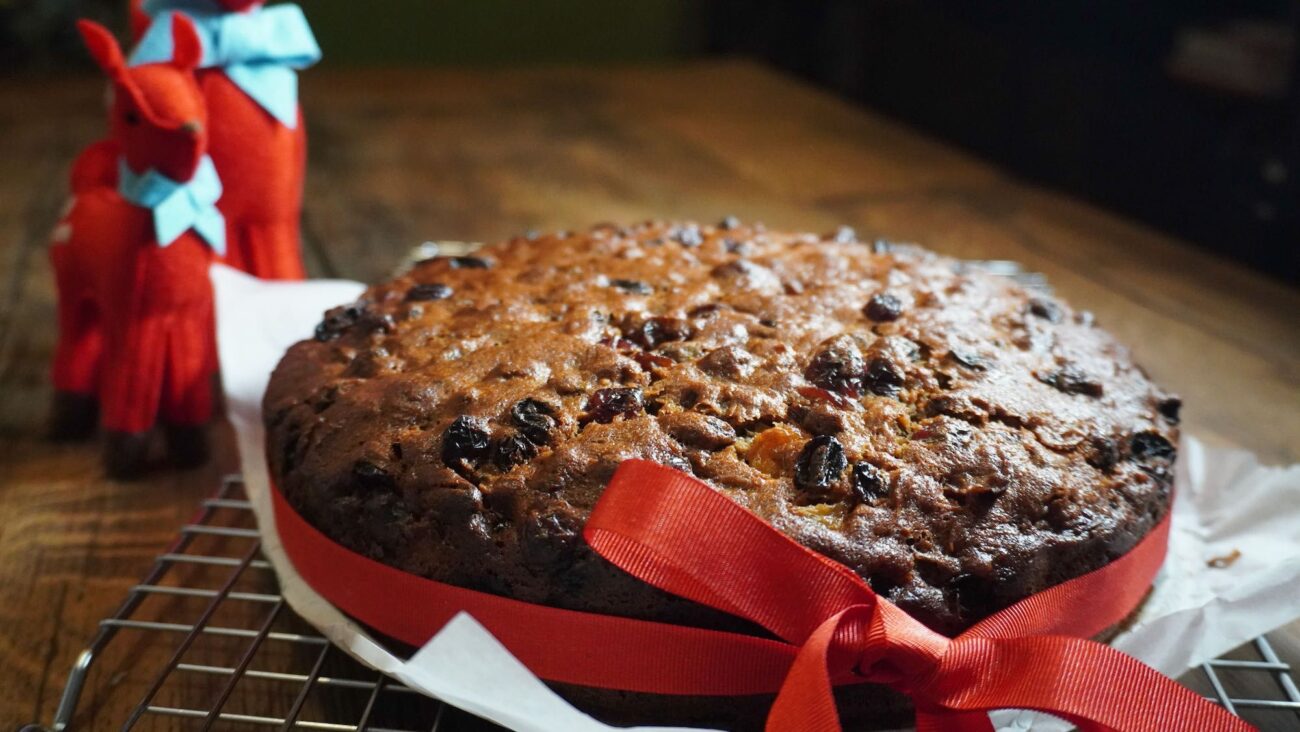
[[131, 263], [257, 142]]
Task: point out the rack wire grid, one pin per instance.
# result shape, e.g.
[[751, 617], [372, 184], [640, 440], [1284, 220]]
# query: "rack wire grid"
[[206, 641]]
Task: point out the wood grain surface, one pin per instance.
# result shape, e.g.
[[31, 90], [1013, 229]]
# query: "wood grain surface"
[[398, 157]]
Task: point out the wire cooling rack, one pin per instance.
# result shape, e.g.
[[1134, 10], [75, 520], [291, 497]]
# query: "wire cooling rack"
[[205, 641]]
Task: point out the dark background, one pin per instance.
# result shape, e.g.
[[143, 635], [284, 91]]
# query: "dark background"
[[1183, 114]]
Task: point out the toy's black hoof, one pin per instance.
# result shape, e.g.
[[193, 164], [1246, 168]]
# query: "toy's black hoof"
[[73, 416], [126, 454], [187, 447]]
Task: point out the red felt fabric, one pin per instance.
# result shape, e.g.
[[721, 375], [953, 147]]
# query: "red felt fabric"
[[135, 319], [262, 164]]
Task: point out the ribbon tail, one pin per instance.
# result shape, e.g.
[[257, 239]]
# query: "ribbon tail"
[[806, 700], [1089, 684]]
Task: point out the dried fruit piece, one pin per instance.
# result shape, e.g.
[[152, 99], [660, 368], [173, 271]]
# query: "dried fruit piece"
[[883, 308], [869, 482], [428, 291], [512, 450], [635, 287], [607, 404], [1150, 445], [837, 366], [648, 361], [468, 263], [969, 359], [773, 450], [370, 475], [1070, 379], [883, 377], [1045, 309], [653, 331], [535, 420], [820, 464], [622, 345], [338, 320], [464, 442], [1169, 408]]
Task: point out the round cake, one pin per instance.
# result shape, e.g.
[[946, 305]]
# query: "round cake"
[[958, 441]]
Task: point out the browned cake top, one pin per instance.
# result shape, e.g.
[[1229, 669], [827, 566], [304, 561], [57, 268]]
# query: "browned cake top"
[[956, 440]]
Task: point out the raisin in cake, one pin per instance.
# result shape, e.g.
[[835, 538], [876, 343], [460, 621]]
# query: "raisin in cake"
[[958, 441]]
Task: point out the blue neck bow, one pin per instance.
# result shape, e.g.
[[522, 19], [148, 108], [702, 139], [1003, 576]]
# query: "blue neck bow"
[[259, 50], [178, 207]]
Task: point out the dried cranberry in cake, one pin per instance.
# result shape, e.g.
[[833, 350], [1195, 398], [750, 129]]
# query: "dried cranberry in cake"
[[606, 404], [1169, 408], [868, 482], [338, 320], [1046, 309], [837, 366], [883, 308], [1072, 380], [653, 331], [649, 361], [428, 291], [512, 450], [1149, 446], [884, 377], [820, 465], [622, 345], [465, 442], [535, 420]]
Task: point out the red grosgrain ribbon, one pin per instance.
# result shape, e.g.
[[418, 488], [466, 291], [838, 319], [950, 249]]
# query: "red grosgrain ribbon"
[[676, 533]]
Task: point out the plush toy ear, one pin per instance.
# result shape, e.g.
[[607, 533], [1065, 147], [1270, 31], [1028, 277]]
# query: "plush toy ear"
[[103, 48], [187, 49]]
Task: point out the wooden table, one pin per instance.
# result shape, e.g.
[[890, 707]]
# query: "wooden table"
[[400, 157]]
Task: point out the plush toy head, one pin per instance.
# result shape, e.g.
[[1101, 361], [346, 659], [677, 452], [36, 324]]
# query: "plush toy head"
[[157, 115]]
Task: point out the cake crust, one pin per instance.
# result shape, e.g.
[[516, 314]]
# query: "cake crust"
[[957, 441]]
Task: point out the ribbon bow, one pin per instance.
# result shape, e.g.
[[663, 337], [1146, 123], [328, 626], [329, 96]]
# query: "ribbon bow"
[[178, 207], [259, 49], [676, 533]]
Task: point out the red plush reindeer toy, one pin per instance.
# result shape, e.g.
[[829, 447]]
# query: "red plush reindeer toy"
[[131, 258], [248, 76]]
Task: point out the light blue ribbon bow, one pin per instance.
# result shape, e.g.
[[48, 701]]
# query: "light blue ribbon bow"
[[178, 207], [259, 50]]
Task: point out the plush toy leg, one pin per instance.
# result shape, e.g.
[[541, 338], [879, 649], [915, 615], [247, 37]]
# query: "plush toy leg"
[[126, 454], [187, 390], [132, 390]]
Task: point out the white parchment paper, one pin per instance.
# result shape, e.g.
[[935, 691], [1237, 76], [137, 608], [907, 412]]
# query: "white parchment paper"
[[1227, 504]]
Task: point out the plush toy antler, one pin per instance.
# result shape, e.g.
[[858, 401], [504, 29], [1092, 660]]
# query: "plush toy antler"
[[131, 262]]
